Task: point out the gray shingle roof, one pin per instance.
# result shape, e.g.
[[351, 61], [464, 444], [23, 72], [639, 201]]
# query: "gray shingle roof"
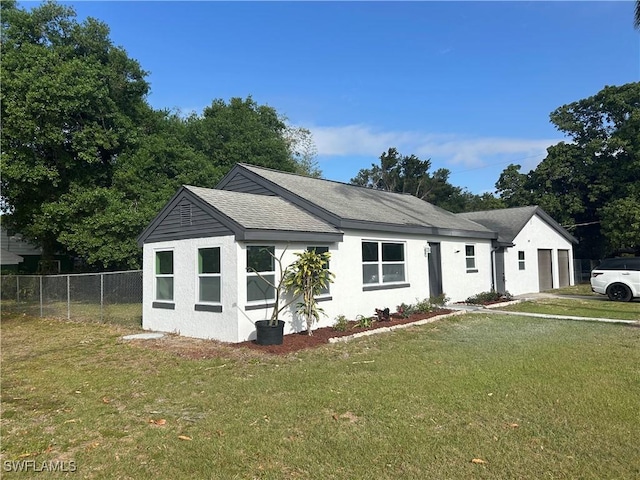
[[508, 222], [261, 212], [359, 204]]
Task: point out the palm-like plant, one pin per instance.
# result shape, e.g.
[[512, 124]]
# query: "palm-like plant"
[[636, 21], [307, 277]]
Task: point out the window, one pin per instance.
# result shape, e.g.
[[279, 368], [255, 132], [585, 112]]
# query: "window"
[[164, 275], [470, 257], [260, 259], [209, 275], [520, 260], [382, 262], [321, 250]]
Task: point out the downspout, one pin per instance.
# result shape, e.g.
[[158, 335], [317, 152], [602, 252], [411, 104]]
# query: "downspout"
[[494, 279]]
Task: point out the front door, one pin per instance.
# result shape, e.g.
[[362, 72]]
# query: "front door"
[[501, 282], [435, 270]]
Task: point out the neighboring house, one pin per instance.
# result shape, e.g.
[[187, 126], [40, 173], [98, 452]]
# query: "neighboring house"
[[17, 254], [532, 253], [386, 248]]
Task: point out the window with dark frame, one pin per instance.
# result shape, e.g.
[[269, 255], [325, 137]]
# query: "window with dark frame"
[[470, 258], [164, 275], [383, 262], [209, 278], [521, 263], [260, 259]]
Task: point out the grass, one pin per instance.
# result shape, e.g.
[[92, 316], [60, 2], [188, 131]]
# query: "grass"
[[599, 308], [580, 289], [125, 314], [532, 398]]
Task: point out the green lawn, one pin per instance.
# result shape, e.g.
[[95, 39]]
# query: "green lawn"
[[597, 308], [532, 398], [581, 289]]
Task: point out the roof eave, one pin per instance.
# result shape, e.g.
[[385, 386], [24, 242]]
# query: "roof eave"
[[289, 236]]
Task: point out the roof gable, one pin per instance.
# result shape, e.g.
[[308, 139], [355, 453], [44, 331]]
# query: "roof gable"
[[196, 212], [351, 206], [509, 222]]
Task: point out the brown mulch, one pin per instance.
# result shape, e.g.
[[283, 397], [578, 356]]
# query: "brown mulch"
[[300, 341]]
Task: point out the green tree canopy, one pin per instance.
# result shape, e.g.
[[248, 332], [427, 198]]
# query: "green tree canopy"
[[70, 104], [86, 162], [409, 174], [589, 183]]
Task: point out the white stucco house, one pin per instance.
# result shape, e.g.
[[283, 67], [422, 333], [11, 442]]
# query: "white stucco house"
[[533, 252], [386, 248]]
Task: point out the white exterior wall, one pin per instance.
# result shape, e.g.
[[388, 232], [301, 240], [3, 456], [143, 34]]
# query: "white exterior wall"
[[457, 283], [536, 234], [347, 295], [184, 319], [236, 323]]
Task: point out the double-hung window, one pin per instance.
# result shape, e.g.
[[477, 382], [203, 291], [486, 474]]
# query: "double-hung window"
[[164, 275], [470, 258], [209, 284], [321, 250], [383, 262], [260, 272], [521, 260]]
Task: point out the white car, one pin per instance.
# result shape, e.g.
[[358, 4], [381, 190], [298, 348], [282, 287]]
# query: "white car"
[[618, 278]]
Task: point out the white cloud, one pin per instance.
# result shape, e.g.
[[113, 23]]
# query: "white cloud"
[[451, 149]]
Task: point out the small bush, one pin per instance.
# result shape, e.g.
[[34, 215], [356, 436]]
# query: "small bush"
[[341, 323], [439, 300], [423, 306], [363, 322], [404, 310], [488, 297]]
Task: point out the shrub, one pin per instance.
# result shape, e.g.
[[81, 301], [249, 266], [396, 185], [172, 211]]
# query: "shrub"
[[488, 297], [341, 324], [404, 310], [439, 300], [363, 322]]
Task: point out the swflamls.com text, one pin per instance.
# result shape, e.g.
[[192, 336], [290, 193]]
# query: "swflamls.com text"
[[35, 466]]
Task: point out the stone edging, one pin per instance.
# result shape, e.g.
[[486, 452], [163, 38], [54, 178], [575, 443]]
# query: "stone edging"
[[375, 331]]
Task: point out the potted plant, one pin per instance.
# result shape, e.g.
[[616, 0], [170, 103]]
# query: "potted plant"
[[271, 331], [307, 277]]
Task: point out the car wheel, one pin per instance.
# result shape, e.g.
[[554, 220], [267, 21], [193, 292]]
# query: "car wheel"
[[619, 292]]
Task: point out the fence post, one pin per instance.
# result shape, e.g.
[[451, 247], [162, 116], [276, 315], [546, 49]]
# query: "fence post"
[[68, 297], [40, 278], [102, 297], [17, 288]]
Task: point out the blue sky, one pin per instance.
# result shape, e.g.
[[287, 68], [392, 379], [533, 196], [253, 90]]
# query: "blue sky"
[[469, 85]]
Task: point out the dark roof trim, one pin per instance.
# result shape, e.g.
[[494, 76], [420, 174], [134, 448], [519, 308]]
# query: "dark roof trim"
[[415, 229], [288, 236], [181, 194]]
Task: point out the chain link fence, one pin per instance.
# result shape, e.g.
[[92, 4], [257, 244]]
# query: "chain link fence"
[[582, 269], [113, 297]]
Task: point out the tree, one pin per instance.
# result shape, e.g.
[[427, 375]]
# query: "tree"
[[241, 131], [86, 162], [70, 103], [588, 183], [409, 174], [636, 19], [303, 151]]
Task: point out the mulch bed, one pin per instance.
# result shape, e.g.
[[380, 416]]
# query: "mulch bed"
[[299, 341]]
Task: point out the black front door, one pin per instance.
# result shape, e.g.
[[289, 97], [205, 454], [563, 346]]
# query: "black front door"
[[435, 270]]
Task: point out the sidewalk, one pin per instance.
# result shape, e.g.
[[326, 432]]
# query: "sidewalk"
[[532, 296]]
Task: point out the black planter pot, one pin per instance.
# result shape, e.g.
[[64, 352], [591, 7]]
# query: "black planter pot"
[[269, 335]]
